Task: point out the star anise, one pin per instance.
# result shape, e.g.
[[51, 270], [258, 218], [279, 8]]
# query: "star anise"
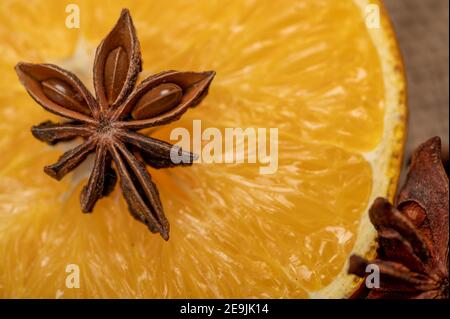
[[413, 238], [108, 123]]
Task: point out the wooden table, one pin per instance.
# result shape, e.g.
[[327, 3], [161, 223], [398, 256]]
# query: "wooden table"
[[422, 30]]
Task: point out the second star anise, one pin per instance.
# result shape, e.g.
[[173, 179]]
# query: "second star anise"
[[413, 237], [109, 123]]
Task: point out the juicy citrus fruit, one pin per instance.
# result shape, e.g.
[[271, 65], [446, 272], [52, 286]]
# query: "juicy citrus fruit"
[[313, 69]]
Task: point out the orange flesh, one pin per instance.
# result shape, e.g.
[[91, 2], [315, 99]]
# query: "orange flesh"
[[307, 68]]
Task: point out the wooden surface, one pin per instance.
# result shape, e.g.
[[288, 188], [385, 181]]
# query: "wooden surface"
[[422, 31]]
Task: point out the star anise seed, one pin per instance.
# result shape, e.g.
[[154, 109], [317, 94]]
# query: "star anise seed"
[[413, 238], [108, 123]]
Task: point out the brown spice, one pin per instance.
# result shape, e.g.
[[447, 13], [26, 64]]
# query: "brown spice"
[[413, 238], [108, 123]]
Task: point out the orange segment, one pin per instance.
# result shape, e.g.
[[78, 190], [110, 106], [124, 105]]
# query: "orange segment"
[[312, 69]]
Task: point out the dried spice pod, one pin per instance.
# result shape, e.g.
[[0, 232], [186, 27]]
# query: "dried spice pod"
[[194, 88], [57, 90], [413, 238], [62, 93], [53, 133], [107, 123], [117, 63], [156, 101]]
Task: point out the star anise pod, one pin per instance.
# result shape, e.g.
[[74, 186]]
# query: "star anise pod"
[[108, 123], [413, 238]]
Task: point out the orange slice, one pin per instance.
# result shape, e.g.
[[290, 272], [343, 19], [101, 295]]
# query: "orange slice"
[[316, 70]]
